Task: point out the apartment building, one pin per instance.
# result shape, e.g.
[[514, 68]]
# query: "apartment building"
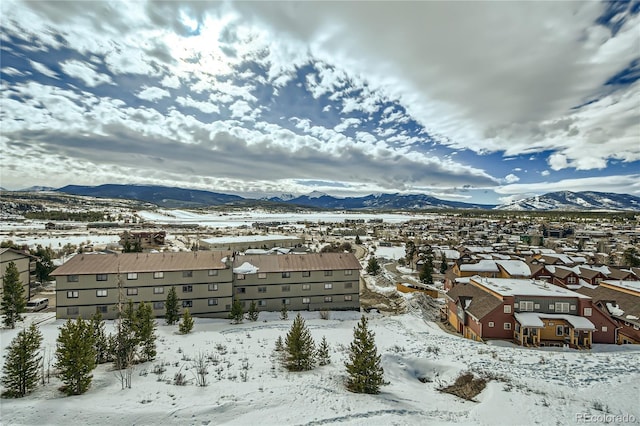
[[312, 281], [96, 282], [529, 312], [25, 263], [206, 282]]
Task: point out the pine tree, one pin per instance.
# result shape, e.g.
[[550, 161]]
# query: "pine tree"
[[22, 363], [186, 325], [125, 342], [373, 267], [237, 312], [253, 312], [171, 307], [75, 356], [284, 313], [358, 241], [443, 266], [279, 345], [426, 275], [299, 347], [13, 299], [364, 367], [323, 352], [101, 339], [145, 331]]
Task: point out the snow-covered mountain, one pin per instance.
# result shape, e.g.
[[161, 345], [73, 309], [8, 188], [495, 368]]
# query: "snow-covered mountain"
[[567, 200]]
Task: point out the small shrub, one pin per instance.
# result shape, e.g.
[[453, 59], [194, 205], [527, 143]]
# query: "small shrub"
[[466, 386], [324, 315], [179, 379]]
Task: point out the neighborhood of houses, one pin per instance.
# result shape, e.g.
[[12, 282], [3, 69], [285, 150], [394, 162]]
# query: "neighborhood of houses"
[[534, 284]]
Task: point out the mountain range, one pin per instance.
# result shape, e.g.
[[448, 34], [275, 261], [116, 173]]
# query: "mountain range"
[[184, 198]]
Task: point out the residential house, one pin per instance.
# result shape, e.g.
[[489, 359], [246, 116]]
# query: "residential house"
[[25, 263]]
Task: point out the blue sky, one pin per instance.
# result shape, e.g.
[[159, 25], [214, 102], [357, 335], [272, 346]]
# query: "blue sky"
[[466, 101]]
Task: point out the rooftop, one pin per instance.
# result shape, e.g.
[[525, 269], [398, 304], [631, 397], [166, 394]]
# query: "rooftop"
[[524, 287]]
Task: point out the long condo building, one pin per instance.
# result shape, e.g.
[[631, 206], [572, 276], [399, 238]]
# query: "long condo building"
[[206, 282]]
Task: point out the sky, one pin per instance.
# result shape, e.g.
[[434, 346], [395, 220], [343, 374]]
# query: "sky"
[[483, 102]]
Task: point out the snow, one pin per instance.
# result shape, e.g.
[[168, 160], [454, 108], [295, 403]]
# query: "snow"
[[549, 386], [393, 253], [246, 268], [247, 239], [481, 266], [614, 309], [625, 285], [534, 319], [522, 287], [515, 267]]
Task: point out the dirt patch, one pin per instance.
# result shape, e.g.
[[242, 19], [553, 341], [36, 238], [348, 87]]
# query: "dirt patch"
[[466, 386]]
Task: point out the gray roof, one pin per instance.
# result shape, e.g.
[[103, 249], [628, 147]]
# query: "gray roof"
[[300, 262]]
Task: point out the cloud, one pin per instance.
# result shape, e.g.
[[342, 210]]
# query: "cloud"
[[85, 72], [152, 94], [629, 184], [43, 69], [511, 178]]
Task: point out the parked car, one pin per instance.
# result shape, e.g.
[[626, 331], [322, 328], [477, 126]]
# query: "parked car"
[[36, 305]]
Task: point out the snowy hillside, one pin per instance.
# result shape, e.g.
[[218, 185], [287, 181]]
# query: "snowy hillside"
[[534, 386], [567, 200]]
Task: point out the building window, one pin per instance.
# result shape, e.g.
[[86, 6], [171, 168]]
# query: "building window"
[[328, 273], [348, 285], [328, 299], [73, 310], [562, 307], [604, 329], [348, 298], [286, 288], [158, 275], [306, 287], [73, 294], [101, 293], [158, 305], [571, 279], [262, 303], [286, 301], [348, 272], [132, 292], [572, 307], [101, 277], [507, 309], [213, 287], [241, 290], [187, 303], [306, 274], [559, 330], [536, 306], [286, 275], [328, 286], [306, 300], [187, 288], [212, 272], [240, 276], [212, 302], [262, 289], [103, 309], [507, 326], [132, 276], [526, 305], [552, 307], [158, 290], [187, 274], [491, 324], [72, 278], [262, 275]]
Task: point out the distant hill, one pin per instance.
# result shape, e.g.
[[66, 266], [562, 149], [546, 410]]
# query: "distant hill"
[[160, 195], [567, 200], [378, 202]]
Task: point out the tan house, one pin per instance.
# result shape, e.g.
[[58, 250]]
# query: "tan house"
[[206, 282], [96, 282], [25, 263], [312, 281]]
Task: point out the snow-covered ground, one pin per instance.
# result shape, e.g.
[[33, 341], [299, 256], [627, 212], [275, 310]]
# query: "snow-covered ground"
[[537, 387]]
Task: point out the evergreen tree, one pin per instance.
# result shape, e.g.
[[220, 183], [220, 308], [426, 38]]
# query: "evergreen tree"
[[364, 367], [75, 356], [253, 312], [145, 331], [237, 312], [410, 252], [186, 325], [22, 363], [323, 352], [284, 313], [13, 299], [279, 345], [443, 265], [358, 241], [373, 267], [299, 347], [171, 307], [426, 275], [125, 342], [44, 264], [101, 339]]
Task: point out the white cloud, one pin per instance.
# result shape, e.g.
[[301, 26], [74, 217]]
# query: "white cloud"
[[85, 72], [206, 107], [511, 178], [43, 69], [629, 184], [152, 94]]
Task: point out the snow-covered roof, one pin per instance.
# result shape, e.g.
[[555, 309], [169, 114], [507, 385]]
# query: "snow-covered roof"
[[524, 287], [249, 252], [248, 239], [534, 319], [626, 285], [246, 268], [482, 266], [614, 309], [515, 267]]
